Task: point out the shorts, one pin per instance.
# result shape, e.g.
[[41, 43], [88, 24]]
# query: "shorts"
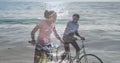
[[45, 48], [68, 38]]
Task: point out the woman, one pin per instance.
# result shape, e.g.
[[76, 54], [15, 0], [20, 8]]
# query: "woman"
[[45, 28]]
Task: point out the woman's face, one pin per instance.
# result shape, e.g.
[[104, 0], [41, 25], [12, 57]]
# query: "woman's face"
[[53, 18], [75, 19]]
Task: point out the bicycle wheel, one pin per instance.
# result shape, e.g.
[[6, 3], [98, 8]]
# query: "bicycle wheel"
[[89, 58]]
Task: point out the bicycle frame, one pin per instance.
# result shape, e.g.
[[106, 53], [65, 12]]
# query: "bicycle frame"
[[70, 58], [46, 59], [82, 51], [82, 54]]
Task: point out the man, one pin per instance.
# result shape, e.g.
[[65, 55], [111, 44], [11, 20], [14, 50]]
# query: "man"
[[68, 37]]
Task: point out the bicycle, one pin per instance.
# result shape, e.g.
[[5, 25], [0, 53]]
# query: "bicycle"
[[53, 55], [82, 57]]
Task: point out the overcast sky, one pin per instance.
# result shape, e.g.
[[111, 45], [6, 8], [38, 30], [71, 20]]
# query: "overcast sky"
[[65, 0]]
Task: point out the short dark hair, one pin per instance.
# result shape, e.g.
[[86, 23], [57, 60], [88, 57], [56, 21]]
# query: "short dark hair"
[[76, 15]]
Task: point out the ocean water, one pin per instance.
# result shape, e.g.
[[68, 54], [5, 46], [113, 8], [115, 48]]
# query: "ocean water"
[[99, 24]]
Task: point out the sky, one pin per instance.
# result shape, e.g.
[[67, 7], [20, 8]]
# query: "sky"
[[63, 0]]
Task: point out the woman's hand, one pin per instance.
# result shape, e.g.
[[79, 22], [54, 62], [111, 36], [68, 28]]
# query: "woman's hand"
[[32, 42]]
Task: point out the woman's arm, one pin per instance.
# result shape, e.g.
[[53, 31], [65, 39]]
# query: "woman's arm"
[[33, 33], [56, 35]]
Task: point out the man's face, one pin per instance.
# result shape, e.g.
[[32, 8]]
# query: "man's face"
[[75, 19]]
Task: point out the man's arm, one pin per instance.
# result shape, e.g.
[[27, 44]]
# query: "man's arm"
[[77, 34], [82, 38]]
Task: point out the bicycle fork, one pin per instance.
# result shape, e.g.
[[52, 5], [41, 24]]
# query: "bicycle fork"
[[85, 58]]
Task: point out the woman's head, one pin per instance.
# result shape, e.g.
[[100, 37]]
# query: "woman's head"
[[75, 17], [50, 15]]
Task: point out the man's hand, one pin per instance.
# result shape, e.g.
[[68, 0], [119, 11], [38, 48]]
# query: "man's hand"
[[82, 38]]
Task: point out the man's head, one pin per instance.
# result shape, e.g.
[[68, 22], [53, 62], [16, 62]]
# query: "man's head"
[[75, 17]]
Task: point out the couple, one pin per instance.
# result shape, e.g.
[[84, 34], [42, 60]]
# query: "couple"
[[47, 26]]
